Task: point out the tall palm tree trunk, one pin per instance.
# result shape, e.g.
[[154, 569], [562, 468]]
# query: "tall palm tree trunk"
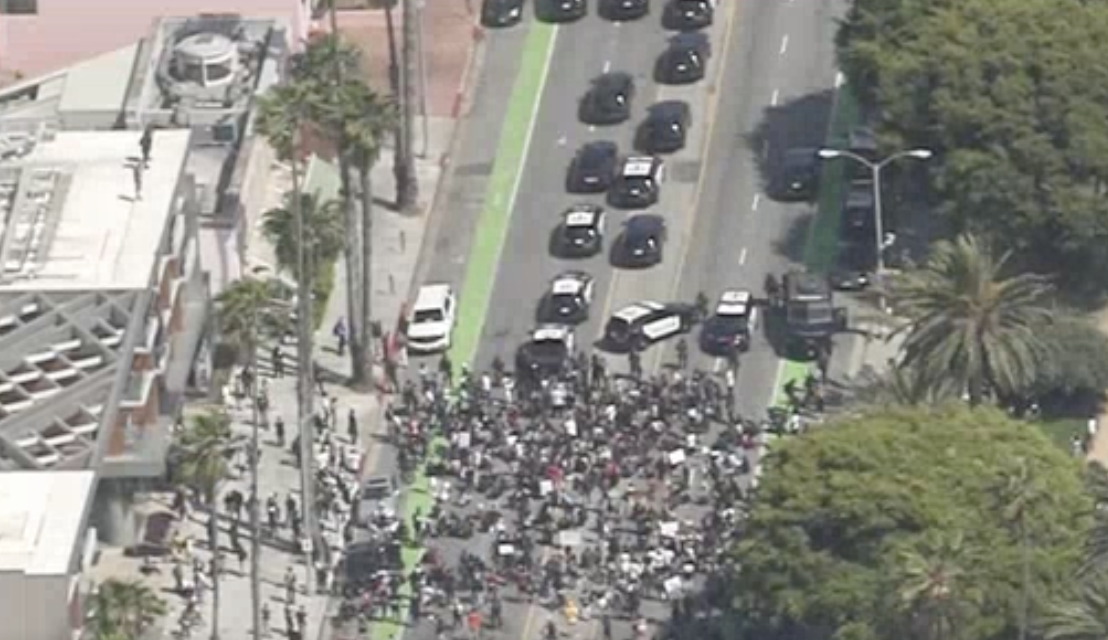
[[367, 254], [407, 188], [255, 503], [356, 330], [304, 321]]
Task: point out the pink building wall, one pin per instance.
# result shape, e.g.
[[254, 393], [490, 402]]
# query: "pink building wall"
[[67, 31]]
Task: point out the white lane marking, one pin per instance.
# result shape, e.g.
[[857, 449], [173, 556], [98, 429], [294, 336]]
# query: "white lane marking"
[[772, 400], [607, 66], [839, 79], [774, 98], [754, 203], [742, 257], [717, 365], [592, 128], [784, 44], [618, 24], [562, 141]]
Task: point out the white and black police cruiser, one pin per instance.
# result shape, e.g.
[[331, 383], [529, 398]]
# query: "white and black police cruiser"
[[641, 324]]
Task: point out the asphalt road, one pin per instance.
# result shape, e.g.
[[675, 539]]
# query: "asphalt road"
[[774, 92]]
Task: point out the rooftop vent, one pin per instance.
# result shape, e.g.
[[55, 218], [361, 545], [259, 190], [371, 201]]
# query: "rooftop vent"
[[205, 59]]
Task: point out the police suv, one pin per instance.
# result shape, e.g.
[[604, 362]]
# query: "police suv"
[[567, 301], [581, 233], [638, 182], [641, 324]]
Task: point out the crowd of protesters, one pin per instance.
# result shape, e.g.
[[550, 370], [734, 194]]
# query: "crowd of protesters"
[[588, 493]]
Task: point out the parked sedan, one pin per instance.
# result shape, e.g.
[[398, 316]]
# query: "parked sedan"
[[685, 60], [688, 15], [608, 100], [592, 168], [501, 13], [665, 128]]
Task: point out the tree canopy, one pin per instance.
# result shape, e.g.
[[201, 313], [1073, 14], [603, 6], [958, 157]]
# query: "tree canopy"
[[900, 523], [1010, 95], [1077, 365]]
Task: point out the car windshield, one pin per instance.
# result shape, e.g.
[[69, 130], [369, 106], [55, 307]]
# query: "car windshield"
[[594, 158], [730, 322], [547, 350], [562, 300], [810, 313], [582, 233], [618, 328], [640, 182], [375, 491], [428, 315]]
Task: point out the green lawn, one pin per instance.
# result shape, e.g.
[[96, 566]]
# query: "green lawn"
[[1062, 430]]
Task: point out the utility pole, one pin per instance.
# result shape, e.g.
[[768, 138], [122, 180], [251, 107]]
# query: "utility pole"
[[407, 188]]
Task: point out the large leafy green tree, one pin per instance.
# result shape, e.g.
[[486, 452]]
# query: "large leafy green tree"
[[123, 610], [970, 324], [892, 521], [1076, 373], [1080, 614], [1011, 95]]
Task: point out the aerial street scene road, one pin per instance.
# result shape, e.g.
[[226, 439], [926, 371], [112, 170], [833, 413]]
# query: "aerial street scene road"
[[553, 320]]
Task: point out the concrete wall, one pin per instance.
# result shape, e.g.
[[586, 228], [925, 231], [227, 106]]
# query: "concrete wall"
[[67, 31], [34, 607]]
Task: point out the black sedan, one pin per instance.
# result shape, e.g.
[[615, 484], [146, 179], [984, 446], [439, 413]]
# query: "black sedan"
[[685, 60], [501, 13], [688, 15], [665, 128], [581, 233], [561, 10], [592, 168], [621, 10], [797, 177], [608, 101], [643, 241]]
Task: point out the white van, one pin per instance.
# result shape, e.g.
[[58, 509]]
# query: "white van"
[[431, 321]]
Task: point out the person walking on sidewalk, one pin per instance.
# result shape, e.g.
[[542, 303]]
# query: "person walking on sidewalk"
[[341, 335], [278, 358], [352, 426]]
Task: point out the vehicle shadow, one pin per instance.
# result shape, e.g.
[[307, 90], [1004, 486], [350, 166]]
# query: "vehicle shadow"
[[802, 122]]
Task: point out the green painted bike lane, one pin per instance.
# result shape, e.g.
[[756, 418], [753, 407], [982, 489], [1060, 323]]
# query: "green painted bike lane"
[[821, 247], [484, 256]]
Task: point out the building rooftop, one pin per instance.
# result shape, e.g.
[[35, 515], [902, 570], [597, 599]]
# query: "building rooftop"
[[40, 519], [69, 216]]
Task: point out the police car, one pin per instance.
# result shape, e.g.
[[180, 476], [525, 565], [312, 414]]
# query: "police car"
[[638, 182], [641, 324], [730, 327], [581, 233], [567, 301], [547, 353]]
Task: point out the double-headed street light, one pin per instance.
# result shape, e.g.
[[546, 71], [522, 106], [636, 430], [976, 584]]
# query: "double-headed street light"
[[875, 171]]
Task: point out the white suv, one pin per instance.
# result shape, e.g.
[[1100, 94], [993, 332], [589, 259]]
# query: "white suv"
[[431, 321]]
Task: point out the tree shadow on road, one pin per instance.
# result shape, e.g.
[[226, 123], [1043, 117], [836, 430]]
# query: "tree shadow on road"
[[799, 123], [791, 245]]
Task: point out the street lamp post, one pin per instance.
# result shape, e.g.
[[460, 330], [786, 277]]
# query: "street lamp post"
[[875, 172]]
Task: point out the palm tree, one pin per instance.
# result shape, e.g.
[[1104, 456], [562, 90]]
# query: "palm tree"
[[1084, 617], [930, 586], [201, 456], [969, 324], [243, 310], [370, 119], [323, 234], [407, 188], [123, 610]]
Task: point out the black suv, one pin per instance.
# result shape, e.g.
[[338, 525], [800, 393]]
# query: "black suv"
[[561, 10], [620, 10], [643, 241], [688, 15], [581, 232], [685, 60], [665, 127], [501, 13], [638, 183], [592, 168], [608, 101]]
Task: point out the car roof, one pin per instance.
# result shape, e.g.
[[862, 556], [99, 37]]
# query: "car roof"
[[806, 286], [582, 216], [551, 332], [734, 302], [634, 311], [639, 166], [645, 223], [432, 296], [571, 282]]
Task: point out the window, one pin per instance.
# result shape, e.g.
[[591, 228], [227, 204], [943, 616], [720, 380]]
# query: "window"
[[19, 7]]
